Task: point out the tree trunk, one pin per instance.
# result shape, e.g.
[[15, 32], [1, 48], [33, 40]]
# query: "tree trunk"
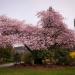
[[28, 48]]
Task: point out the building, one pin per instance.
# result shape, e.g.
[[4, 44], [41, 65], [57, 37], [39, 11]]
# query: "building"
[[20, 49]]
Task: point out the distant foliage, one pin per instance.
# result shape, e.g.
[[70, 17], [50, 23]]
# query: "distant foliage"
[[61, 56], [27, 58], [5, 54]]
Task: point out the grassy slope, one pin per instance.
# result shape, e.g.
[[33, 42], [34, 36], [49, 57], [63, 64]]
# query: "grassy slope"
[[37, 71]]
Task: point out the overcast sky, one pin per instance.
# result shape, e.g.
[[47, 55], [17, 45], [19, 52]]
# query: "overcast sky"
[[27, 9]]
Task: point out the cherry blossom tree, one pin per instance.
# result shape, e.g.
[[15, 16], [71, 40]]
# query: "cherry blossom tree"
[[10, 29], [54, 30], [55, 36]]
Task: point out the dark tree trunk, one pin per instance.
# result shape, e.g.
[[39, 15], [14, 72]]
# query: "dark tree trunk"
[[28, 48]]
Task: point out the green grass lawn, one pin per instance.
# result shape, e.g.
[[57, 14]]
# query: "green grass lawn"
[[37, 71]]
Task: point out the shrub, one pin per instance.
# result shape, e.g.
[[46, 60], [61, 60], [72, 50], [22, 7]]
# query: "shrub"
[[27, 58], [61, 56], [5, 54], [17, 58], [72, 55], [40, 56]]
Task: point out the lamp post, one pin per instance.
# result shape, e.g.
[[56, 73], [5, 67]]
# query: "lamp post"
[[74, 22]]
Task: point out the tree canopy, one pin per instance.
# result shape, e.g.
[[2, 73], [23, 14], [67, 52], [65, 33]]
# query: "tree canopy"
[[53, 32]]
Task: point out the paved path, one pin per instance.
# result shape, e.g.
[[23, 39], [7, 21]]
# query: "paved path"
[[7, 65]]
